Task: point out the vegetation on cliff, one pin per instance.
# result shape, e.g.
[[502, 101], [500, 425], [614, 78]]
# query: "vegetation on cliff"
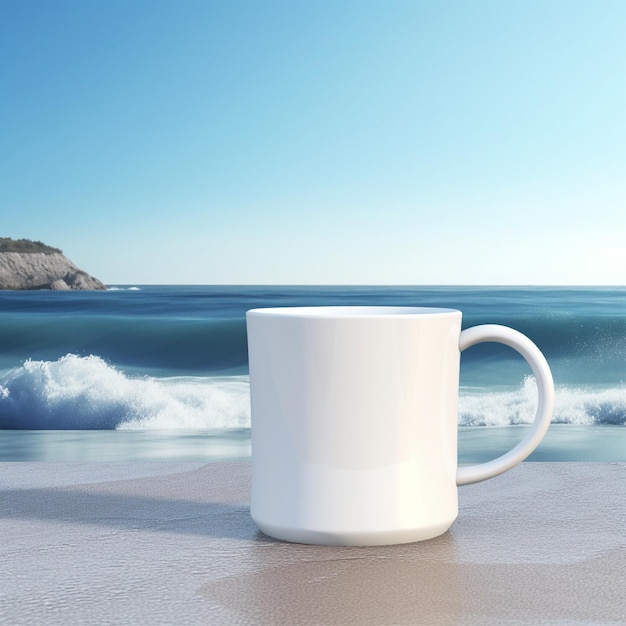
[[25, 246]]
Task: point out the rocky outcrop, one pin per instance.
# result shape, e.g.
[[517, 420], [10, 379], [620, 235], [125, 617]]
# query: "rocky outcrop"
[[39, 270]]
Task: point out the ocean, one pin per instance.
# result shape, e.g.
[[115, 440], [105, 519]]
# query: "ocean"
[[160, 372]]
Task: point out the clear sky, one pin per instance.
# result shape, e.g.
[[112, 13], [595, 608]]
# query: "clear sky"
[[293, 141]]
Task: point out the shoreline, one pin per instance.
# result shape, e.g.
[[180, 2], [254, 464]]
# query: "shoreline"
[[563, 443]]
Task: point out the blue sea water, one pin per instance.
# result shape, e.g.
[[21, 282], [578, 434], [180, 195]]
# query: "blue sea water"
[[161, 371]]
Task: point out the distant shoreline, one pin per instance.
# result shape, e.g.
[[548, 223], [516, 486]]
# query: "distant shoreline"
[[27, 265]]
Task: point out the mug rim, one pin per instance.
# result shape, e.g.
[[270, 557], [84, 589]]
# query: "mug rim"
[[352, 311]]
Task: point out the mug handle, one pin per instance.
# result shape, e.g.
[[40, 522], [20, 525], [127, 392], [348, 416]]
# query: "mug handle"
[[468, 474]]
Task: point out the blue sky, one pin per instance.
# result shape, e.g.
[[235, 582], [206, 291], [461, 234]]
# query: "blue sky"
[[343, 142]]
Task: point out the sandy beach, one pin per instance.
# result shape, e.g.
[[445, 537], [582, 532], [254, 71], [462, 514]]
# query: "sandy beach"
[[165, 543]]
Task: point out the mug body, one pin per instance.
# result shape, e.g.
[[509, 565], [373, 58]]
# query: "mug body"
[[354, 423]]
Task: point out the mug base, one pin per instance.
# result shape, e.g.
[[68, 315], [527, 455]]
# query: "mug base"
[[361, 538]]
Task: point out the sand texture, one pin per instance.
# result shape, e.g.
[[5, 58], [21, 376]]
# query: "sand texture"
[[173, 543]]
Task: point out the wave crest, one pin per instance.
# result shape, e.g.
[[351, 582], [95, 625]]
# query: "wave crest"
[[572, 406], [77, 392]]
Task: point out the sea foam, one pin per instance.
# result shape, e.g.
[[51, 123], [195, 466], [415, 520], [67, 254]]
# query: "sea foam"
[[77, 392], [573, 405], [85, 392]]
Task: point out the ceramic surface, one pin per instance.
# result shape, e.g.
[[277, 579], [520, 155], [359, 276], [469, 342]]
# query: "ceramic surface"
[[354, 421]]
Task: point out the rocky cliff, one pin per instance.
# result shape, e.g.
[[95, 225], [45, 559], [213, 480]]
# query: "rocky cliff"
[[43, 270]]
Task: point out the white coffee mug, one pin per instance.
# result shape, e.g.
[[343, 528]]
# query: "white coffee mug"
[[354, 421]]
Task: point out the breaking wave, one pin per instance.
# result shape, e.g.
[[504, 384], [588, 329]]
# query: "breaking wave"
[[573, 405], [85, 392]]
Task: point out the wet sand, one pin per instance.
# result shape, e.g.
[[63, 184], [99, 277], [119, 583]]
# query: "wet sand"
[[563, 442]]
